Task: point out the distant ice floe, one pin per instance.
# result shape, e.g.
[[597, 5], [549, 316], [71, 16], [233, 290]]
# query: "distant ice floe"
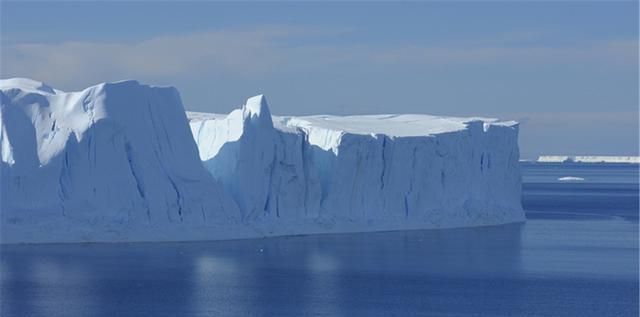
[[570, 179], [588, 159]]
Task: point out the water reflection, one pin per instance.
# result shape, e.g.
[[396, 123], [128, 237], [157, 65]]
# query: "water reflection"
[[289, 275], [541, 266]]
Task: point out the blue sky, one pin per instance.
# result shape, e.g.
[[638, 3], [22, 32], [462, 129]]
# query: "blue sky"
[[567, 70]]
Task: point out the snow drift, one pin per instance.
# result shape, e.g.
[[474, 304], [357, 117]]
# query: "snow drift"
[[117, 162]]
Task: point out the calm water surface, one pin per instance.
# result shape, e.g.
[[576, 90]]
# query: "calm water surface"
[[577, 255]]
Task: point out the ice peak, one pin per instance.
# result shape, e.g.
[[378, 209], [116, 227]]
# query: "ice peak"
[[257, 110]]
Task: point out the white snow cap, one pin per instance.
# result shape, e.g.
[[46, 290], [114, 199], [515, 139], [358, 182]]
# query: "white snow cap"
[[257, 110], [27, 84]]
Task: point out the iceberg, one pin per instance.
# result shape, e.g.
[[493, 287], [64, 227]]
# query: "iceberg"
[[123, 162], [113, 162], [570, 179], [359, 173]]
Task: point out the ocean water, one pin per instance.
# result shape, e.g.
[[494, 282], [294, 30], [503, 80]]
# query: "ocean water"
[[577, 255]]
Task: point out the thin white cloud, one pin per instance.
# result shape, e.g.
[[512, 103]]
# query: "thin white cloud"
[[243, 52], [268, 50], [618, 53]]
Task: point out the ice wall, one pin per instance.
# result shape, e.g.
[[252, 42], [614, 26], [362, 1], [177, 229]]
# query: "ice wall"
[[90, 165], [266, 169], [363, 173], [118, 162]]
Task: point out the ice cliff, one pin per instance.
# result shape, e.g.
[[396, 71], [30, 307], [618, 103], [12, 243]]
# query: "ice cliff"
[[117, 162], [108, 163], [363, 172]]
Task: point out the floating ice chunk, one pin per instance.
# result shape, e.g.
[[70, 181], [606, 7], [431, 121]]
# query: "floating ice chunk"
[[570, 179]]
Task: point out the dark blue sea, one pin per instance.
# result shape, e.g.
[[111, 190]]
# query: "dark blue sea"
[[577, 255]]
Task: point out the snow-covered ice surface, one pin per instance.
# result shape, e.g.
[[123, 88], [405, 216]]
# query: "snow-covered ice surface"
[[588, 159], [117, 162]]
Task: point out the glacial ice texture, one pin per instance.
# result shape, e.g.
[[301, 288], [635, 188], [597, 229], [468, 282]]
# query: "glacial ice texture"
[[355, 173], [111, 162], [117, 162]]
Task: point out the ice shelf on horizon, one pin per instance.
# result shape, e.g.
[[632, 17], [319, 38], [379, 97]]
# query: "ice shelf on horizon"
[[588, 159]]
